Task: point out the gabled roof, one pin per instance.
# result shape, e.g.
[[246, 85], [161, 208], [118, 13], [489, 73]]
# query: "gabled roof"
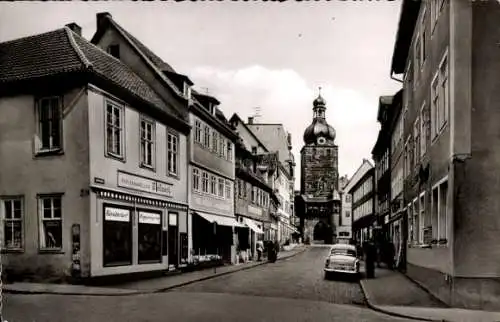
[[365, 166], [64, 52], [236, 118], [155, 62]]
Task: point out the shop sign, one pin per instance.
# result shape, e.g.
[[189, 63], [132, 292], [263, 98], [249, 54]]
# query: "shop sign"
[[172, 219], [130, 181], [149, 218], [116, 214]]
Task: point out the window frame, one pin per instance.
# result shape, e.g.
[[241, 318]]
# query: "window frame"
[[198, 137], [3, 201], [196, 179], [228, 189], [220, 192], [175, 152], [41, 219], [213, 185], [121, 108], [207, 136], [205, 182], [39, 149], [142, 162]]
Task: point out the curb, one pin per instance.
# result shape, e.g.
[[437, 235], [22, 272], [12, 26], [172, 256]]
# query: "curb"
[[422, 287], [391, 313], [6, 289]]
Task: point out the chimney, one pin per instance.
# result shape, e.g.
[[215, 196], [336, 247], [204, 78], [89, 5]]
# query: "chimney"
[[250, 120], [101, 18], [75, 28]]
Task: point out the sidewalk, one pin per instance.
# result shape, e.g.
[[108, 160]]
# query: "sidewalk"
[[393, 293], [152, 285]]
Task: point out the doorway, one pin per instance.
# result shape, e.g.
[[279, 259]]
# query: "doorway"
[[173, 240], [320, 233]]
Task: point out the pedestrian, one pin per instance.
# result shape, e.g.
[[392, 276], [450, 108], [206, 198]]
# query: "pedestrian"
[[260, 249], [370, 258]]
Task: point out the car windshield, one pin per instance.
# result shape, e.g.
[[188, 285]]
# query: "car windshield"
[[347, 252]]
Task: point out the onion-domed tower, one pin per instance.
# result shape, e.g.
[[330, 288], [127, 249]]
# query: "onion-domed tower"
[[319, 205]]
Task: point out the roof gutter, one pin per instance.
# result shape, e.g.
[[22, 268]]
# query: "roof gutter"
[[394, 78]]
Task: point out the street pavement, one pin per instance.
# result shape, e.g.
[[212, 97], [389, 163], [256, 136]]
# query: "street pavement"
[[292, 289]]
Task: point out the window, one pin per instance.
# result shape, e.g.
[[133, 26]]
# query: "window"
[[213, 185], [49, 111], [51, 222], [417, 59], [424, 129], [439, 213], [204, 182], [254, 150], [222, 149], [197, 133], [229, 151], [196, 180], [114, 129], [416, 145], [440, 98], [114, 50], [347, 213], [12, 216], [149, 237], [221, 187], [228, 189], [206, 131], [147, 142], [187, 90], [422, 49], [117, 236], [172, 153], [215, 143], [423, 236], [253, 194]]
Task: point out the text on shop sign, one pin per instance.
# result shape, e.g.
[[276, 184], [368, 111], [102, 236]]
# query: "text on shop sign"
[[149, 218], [130, 181], [117, 214]]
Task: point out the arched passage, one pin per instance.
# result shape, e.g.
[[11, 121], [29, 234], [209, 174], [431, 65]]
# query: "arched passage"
[[320, 232]]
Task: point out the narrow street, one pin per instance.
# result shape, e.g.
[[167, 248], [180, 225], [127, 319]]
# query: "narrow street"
[[288, 290]]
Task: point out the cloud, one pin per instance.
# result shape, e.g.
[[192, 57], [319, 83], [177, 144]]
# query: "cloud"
[[285, 97]]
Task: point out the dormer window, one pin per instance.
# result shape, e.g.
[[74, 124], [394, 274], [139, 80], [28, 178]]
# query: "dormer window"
[[114, 50], [187, 91]]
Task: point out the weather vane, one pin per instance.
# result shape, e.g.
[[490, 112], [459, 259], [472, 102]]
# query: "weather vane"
[[319, 90]]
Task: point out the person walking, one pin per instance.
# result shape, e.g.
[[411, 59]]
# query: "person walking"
[[260, 249]]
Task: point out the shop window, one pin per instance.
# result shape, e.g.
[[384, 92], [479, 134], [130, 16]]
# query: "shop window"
[[149, 237], [51, 222], [12, 216], [117, 237], [184, 247]]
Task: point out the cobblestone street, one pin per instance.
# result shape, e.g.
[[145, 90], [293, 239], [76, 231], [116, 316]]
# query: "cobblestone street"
[[300, 277]]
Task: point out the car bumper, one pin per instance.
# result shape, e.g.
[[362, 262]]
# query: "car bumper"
[[340, 271]]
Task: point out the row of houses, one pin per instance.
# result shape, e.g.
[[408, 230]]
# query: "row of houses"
[[112, 163], [434, 186]]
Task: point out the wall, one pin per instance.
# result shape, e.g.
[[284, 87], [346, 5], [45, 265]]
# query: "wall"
[[107, 168], [319, 167], [248, 139], [29, 175]]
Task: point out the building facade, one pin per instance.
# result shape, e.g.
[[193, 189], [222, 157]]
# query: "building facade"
[[447, 52], [276, 139], [381, 155], [344, 229], [319, 183], [361, 187], [85, 151]]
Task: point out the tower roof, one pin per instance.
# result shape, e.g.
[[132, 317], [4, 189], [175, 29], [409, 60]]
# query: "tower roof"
[[319, 126]]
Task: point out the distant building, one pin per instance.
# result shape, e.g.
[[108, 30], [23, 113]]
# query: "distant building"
[[361, 187], [319, 205], [448, 55], [344, 228]]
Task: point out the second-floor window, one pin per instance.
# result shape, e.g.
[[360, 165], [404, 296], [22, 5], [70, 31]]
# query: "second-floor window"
[[215, 142], [424, 129], [172, 154], [50, 123], [206, 136], [221, 187], [228, 189], [196, 180], [198, 131], [229, 150], [440, 97], [114, 129], [147, 142], [204, 182]]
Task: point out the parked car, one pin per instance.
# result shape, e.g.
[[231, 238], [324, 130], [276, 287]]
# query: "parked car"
[[342, 260]]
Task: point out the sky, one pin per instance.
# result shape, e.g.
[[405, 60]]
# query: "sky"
[[268, 55]]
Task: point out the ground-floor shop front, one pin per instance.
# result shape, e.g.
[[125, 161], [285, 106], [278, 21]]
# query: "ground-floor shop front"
[[363, 229], [132, 234]]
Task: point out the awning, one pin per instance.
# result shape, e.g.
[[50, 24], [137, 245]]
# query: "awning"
[[220, 220], [252, 225]]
